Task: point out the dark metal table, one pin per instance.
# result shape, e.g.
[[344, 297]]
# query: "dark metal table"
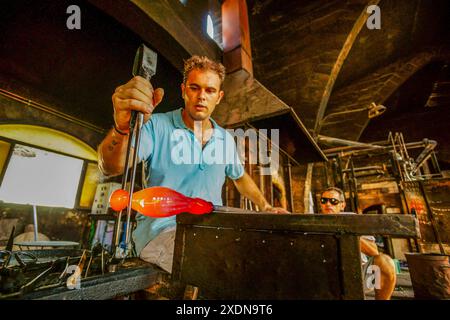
[[278, 256]]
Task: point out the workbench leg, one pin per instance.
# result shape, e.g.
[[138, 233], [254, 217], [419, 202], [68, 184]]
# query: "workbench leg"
[[351, 273]]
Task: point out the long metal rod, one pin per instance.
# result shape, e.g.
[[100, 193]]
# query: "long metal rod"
[[403, 145], [291, 193], [139, 123], [424, 155], [307, 189], [432, 220], [341, 174], [118, 225], [35, 223], [233, 210], [355, 186], [408, 210], [345, 151], [350, 190], [326, 139], [364, 168], [262, 185], [395, 158]]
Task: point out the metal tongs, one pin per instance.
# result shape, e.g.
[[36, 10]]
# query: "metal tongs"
[[144, 66]]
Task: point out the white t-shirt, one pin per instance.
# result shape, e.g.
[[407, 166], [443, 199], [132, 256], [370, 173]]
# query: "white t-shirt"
[[364, 258]]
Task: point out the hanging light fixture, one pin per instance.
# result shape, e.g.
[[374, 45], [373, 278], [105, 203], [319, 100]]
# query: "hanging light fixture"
[[375, 110]]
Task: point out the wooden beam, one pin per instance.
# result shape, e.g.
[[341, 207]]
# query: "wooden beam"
[[185, 25], [236, 36], [368, 224], [307, 190], [348, 44], [168, 26]]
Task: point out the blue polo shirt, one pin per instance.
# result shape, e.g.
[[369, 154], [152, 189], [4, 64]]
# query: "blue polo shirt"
[[174, 158]]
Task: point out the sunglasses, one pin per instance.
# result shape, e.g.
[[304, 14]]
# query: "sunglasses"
[[333, 201]]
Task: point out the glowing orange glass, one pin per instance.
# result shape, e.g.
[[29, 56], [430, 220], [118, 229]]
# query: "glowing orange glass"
[[159, 202]]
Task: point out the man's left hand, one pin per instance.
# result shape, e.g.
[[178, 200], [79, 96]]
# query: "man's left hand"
[[276, 210]]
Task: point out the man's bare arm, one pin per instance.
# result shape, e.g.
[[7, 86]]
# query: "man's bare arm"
[[368, 247], [248, 188], [112, 153]]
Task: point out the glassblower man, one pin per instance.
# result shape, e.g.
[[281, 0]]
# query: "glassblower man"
[[201, 91]]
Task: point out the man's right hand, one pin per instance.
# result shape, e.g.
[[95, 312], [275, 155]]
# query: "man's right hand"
[[137, 94]]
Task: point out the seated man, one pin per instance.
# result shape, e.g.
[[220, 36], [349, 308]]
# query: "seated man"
[[332, 201]]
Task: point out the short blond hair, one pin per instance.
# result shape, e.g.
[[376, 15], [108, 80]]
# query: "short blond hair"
[[203, 63]]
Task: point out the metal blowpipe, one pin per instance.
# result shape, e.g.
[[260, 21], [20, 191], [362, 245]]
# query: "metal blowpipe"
[[144, 66]]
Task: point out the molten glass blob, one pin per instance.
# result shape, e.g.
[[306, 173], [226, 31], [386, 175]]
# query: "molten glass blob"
[[159, 202]]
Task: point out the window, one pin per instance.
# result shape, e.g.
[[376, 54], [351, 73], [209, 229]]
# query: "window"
[[45, 167], [38, 177]]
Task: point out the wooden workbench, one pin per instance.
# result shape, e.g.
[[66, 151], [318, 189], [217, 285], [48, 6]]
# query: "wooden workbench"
[[278, 256]]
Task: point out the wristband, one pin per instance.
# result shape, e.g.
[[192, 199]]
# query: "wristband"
[[120, 132]]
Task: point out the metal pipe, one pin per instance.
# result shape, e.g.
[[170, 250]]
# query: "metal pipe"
[[35, 223], [334, 151], [118, 225], [341, 174], [262, 185], [364, 168], [425, 154], [408, 210], [432, 220], [355, 185], [145, 66], [345, 142], [130, 157], [327, 176], [403, 146], [47, 109], [271, 191], [139, 123], [307, 191], [291, 194], [436, 163], [226, 192], [369, 173], [395, 155], [340, 113]]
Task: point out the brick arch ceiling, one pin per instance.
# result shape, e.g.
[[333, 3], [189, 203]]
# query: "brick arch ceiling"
[[340, 121]]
